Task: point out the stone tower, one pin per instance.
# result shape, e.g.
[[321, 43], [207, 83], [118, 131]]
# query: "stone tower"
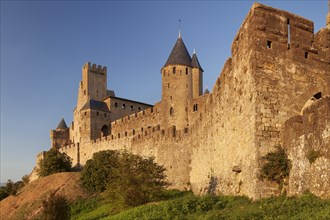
[[177, 86], [197, 77], [92, 90], [93, 84]]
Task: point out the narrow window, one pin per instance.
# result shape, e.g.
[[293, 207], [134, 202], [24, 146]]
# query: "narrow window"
[[318, 95], [97, 113], [84, 91], [168, 85], [85, 113], [170, 97], [142, 129], [139, 108], [118, 135], [174, 70], [133, 132], [171, 111], [131, 107], [306, 55], [269, 44], [125, 133], [116, 104], [186, 71], [123, 106], [289, 34]]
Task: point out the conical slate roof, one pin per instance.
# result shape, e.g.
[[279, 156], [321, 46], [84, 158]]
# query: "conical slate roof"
[[62, 125], [206, 91], [195, 62], [179, 54]]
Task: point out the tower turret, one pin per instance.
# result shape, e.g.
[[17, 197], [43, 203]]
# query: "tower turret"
[[177, 86], [197, 76]]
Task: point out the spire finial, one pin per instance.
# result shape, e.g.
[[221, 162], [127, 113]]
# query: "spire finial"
[[194, 51], [179, 28]]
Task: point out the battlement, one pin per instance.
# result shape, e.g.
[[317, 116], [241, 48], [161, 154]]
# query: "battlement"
[[95, 68]]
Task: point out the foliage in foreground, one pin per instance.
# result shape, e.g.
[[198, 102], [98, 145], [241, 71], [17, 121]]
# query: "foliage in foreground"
[[56, 207], [125, 178], [228, 207], [54, 162]]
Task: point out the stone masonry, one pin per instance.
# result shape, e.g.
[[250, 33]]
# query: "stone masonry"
[[273, 91]]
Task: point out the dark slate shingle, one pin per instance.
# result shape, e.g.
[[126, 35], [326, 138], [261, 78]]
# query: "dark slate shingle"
[[95, 105], [62, 125], [179, 54]]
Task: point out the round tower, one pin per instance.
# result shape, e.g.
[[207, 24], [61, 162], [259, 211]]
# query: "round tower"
[[177, 86]]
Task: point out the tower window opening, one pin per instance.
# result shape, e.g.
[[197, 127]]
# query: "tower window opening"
[[116, 104], [133, 132], [85, 113], [139, 108], [123, 106], [171, 111], [269, 44], [170, 97], [306, 55], [84, 91], [195, 107], [131, 107], [125, 133], [97, 113], [318, 95], [168, 85], [142, 129], [186, 71], [174, 70]]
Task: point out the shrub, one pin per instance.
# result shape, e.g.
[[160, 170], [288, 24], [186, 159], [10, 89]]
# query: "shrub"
[[128, 179], [136, 180], [98, 170], [54, 162], [55, 208], [277, 166]]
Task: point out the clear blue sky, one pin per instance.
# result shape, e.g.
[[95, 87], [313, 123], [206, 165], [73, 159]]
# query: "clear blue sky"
[[45, 43]]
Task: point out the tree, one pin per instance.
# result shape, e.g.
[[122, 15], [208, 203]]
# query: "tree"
[[126, 178], [56, 207], [26, 179], [54, 162], [98, 170], [137, 180]]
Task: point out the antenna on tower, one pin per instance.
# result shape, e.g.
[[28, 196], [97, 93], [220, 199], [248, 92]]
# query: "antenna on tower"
[[179, 28]]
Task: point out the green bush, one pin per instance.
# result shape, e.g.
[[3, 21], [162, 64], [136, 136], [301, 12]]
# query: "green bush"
[[277, 166], [54, 162], [55, 207], [127, 179], [99, 170]]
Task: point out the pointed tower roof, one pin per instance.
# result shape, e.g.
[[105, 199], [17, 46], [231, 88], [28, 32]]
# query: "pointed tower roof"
[[179, 54], [195, 62], [62, 125]]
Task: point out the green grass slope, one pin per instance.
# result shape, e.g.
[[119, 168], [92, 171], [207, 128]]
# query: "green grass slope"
[[188, 206]]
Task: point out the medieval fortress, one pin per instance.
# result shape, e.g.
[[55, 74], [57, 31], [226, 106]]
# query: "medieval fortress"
[[274, 90]]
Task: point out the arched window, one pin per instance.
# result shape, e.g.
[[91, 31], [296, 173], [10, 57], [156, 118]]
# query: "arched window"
[[171, 111], [105, 130], [174, 69]]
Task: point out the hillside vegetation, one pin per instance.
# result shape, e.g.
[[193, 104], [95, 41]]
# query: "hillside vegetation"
[[27, 203]]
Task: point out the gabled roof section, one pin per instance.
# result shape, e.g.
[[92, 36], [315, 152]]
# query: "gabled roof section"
[[195, 62], [95, 105], [62, 125], [179, 54]]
